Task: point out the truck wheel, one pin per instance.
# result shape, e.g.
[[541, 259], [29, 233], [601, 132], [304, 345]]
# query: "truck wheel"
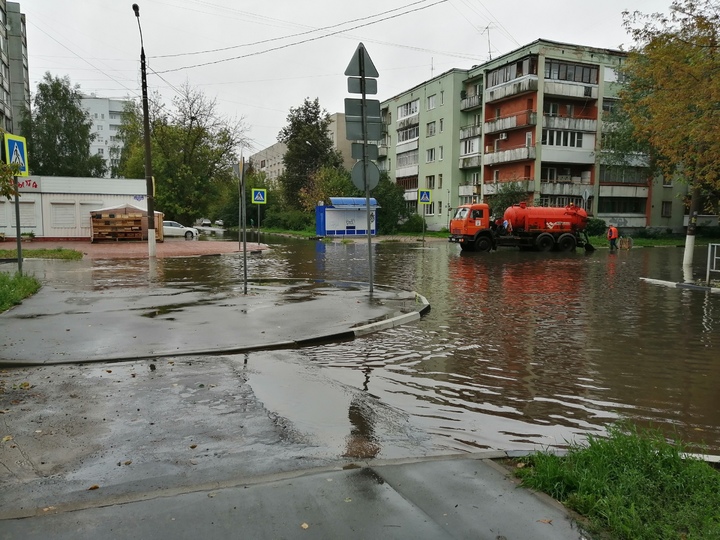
[[545, 242], [567, 242], [483, 243], [467, 247]]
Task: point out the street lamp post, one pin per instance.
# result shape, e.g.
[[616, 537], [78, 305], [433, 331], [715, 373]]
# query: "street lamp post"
[[146, 129]]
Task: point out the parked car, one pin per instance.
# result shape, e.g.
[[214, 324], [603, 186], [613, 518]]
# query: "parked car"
[[219, 223], [205, 222], [173, 228]]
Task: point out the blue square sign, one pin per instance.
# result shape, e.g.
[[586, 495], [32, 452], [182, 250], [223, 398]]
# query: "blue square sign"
[[16, 153]]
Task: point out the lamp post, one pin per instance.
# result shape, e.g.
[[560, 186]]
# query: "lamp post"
[[146, 129]]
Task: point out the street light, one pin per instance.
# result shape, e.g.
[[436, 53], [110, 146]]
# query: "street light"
[[146, 129]]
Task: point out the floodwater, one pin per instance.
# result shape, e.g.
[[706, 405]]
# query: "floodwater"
[[520, 350]]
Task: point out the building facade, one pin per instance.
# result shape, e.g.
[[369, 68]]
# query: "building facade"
[[533, 118], [14, 74], [106, 116]]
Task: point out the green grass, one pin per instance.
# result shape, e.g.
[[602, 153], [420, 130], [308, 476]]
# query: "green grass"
[[634, 484], [56, 253], [672, 241], [15, 288]]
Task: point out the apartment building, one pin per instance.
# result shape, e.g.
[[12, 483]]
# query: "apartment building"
[[420, 148], [17, 63], [106, 116], [532, 117]]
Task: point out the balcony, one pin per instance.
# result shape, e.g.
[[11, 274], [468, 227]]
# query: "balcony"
[[471, 102], [525, 184], [505, 123], [466, 191], [522, 153], [409, 170], [408, 121], [512, 88], [571, 124], [468, 132], [470, 162], [571, 90], [564, 189]]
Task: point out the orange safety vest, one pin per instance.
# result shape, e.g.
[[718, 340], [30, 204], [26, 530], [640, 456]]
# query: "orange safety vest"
[[612, 233]]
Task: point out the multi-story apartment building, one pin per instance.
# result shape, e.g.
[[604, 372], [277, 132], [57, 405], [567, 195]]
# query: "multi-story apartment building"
[[106, 116], [420, 148], [17, 60], [532, 117]]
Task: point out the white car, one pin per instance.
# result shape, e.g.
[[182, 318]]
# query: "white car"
[[219, 223], [173, 228]]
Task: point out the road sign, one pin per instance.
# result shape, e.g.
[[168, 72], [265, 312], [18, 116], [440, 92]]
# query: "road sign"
[[16, 153], [372, 173], [354, 118], [355, 85], [354, 67], [259, 196], [424, 196], [357, 150]]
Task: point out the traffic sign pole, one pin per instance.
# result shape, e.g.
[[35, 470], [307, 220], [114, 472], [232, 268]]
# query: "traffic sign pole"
[[17, 226], [365, 160]]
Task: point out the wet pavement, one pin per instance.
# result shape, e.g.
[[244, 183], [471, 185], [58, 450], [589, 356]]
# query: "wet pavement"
[[161, 437]]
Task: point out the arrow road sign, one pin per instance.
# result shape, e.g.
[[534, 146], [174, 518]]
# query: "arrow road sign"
[[259, 196]]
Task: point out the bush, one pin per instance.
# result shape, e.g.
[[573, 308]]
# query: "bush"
[[596, 227], [289, 220], [708, 231], [413, 224]]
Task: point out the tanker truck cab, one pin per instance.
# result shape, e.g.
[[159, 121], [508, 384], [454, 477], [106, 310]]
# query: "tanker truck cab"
[[470, 227]]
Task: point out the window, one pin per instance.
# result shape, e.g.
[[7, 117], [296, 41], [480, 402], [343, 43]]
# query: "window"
[[528, 139], [442, 123], [101, 152], [262, 164], [621, 205], [408, 134], [430, 182], [564, 71], [554, 137], [440, 153], [442, 97], [551, 109], [430, 155], [407, 159], [497, 112], [431, 102], [439, 181], [666, 209], [99, 128], [475, 178], [429, 209], [496, 175], [548, 174], [667, 182], [440, 207], [623, 175], [469, 146], [430, 131], [408, 109]]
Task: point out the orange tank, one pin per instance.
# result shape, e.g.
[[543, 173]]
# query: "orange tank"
[[523, 218]]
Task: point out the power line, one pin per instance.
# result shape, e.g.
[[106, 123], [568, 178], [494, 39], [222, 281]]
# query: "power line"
[[302, 41]]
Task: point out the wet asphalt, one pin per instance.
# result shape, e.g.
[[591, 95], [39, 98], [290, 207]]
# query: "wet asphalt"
[[69, 470]]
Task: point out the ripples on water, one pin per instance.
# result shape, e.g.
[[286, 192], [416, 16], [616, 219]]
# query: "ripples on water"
[[519, 349]]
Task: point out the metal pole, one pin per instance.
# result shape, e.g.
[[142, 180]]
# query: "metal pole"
[[244, 226], [17, 226], [363, 110], [148, 158]]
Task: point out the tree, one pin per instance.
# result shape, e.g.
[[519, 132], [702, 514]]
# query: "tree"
[[59, 132], [7, 179], [507, 194], [193, 151], [324, 183], [309, 148], [671, 95], [391, 200]]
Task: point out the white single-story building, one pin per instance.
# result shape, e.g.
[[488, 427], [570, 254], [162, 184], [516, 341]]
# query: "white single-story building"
[[58, 208], [346, 216]]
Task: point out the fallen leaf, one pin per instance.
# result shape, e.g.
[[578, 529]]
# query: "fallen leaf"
[[193, 446], [25, 385], [94, 486], [48, 508], [348, 499], [548, 521], [305, 526], [520, 465], [109, 370], [7, 438], [128, 462]]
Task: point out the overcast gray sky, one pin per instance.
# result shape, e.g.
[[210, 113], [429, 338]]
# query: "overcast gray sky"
[[259, 58]]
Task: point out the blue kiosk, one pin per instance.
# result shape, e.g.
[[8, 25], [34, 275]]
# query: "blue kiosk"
[[346, 216]]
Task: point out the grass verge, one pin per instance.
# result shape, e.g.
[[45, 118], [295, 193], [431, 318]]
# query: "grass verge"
[[15, 288], [631, 485], [56, 253]]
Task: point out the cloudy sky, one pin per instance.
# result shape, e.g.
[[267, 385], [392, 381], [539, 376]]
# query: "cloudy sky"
[[259, 58]]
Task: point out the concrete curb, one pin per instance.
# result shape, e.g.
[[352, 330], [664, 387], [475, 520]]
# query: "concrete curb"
[[676, 285]]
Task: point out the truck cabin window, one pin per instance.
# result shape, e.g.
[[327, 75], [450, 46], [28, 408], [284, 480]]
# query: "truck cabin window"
[[461, 213], [477, 214]]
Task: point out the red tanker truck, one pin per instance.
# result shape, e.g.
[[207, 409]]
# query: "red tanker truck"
[[539, 228]]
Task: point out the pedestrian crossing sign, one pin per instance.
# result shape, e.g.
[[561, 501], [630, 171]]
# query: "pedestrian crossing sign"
[[259, 196], [424, 196], [16, 153]]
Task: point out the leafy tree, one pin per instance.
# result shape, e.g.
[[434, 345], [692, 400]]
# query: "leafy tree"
[[193, 151], [673, 83], [507, 194], [393, 210], [7, 179], [309, 148], [59, 131], [326, 182]]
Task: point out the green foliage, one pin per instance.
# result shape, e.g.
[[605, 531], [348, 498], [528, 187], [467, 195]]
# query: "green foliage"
[[324, 183], [193, 151], [59, 132], [289, 220], [413, 224], [309, 148], [55, 253], [15, 288], [707, 231], [508, 193], [632, 484], [393, 210], [7, 179], [596, 227]]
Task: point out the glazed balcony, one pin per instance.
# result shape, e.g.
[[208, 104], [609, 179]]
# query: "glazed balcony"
[[505, 123], [521, 153], [570, 124], [471, 102], [468, 132], [512, 88]]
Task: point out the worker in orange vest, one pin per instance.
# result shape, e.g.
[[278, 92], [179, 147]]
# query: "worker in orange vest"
[[613, 235]]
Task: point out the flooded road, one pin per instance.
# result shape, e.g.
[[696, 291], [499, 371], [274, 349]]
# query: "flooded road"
[[520, 350]]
